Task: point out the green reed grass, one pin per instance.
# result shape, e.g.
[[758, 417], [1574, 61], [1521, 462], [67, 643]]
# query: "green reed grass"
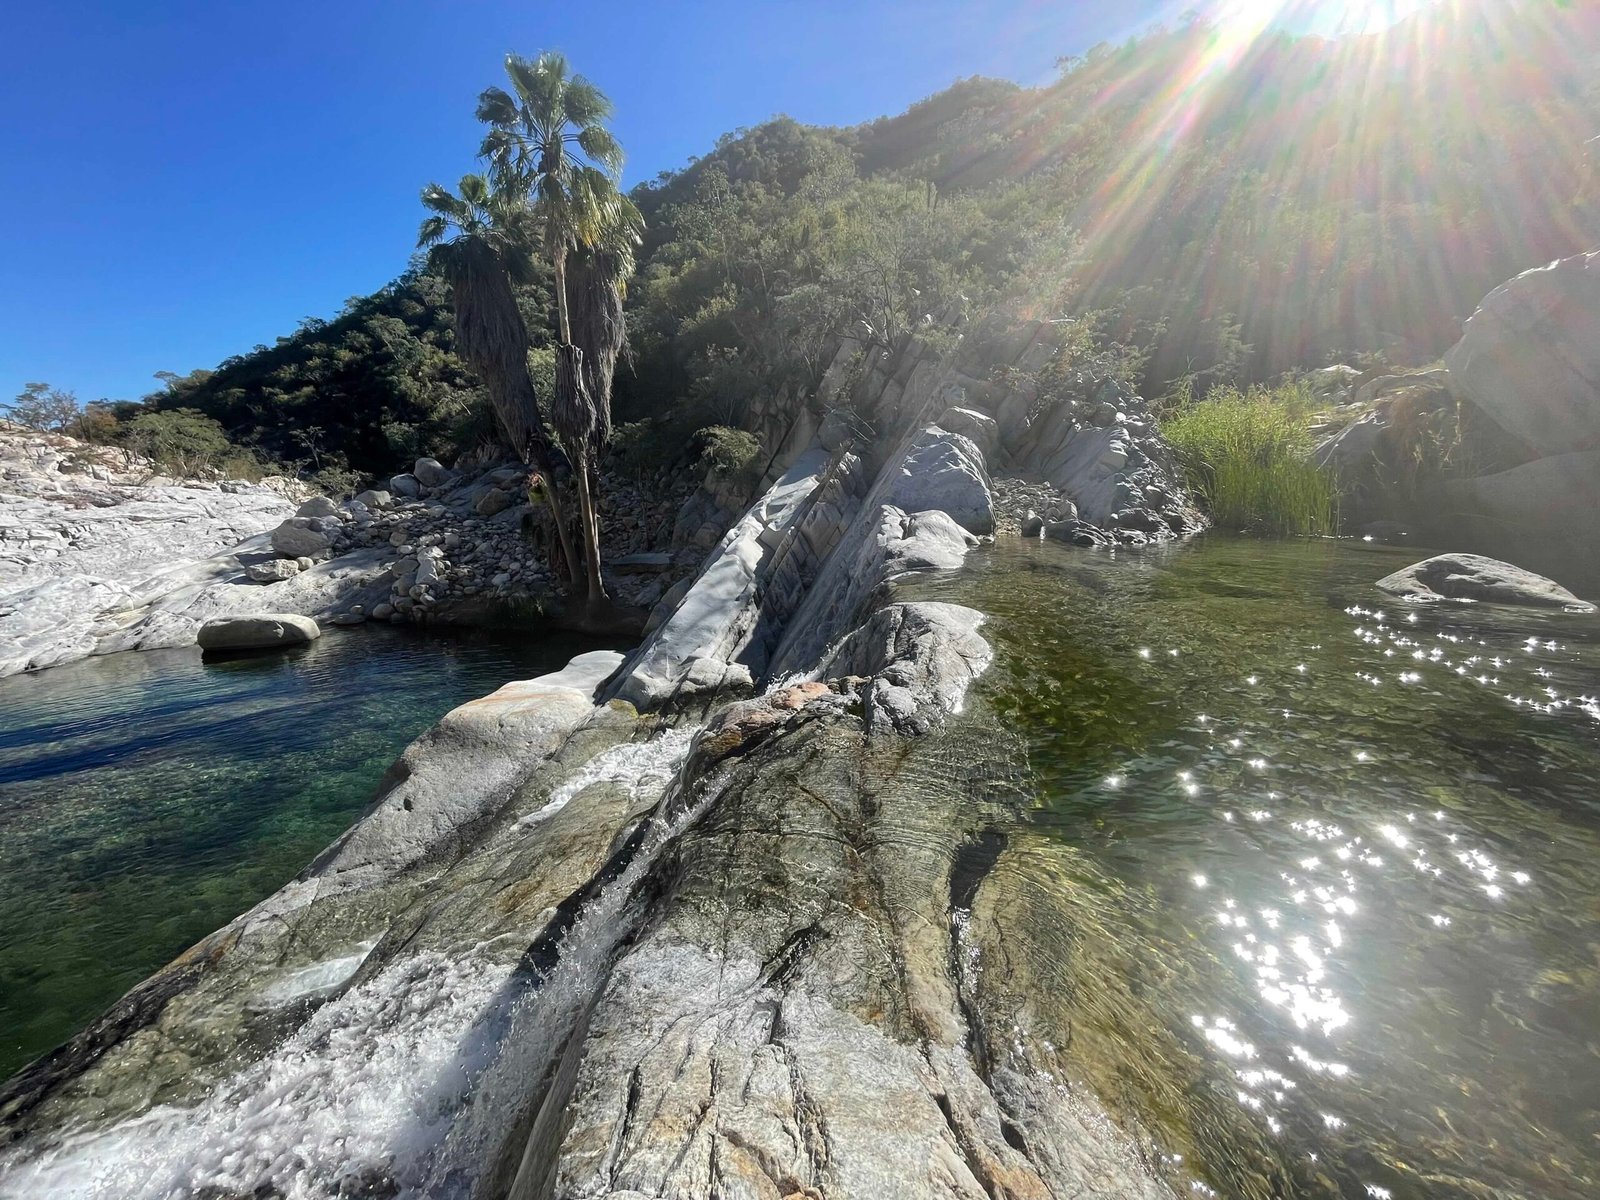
[[1248, 456]]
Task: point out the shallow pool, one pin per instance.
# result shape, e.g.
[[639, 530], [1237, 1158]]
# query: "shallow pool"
[[149, 798]]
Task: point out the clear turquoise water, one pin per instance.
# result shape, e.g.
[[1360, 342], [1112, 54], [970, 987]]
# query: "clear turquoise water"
[[148, 798], [1352, 848]]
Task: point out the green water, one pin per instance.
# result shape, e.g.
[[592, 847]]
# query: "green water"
[[146, 799], [1352, 847]]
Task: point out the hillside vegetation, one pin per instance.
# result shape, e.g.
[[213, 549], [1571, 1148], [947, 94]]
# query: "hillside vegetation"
[[1224, 205]]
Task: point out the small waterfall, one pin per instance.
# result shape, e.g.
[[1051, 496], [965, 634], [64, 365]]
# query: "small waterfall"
[[412, 1081]]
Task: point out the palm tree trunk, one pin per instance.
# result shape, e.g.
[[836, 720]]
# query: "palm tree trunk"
[[540, 461], [591, 537], [558, 259]]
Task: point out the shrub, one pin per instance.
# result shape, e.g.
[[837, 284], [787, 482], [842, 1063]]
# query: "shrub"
[[732, 454], [1248, 456], [180, 441]]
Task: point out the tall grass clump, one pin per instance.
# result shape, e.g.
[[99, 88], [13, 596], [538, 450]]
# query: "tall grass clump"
[[1247, 455]]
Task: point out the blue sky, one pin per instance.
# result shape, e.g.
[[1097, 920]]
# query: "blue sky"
[[185, 180]]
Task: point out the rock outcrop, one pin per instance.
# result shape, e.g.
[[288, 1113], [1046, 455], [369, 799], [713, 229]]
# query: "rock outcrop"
[[1529, 358], [88, 536], [1499, 451]]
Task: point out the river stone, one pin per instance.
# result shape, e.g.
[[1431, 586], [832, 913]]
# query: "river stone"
[[491, 502], [375, 499], [1530, 356], [460, 768], [1474, 577], [273, 571], [294, 540], [259, 632], [406, 485], [430, 472], [317, 506]]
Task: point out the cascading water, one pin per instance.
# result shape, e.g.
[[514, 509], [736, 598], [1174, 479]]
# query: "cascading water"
[[409, 1082]]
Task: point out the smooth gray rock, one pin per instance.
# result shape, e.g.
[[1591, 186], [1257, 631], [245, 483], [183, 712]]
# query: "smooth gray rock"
[[919, 659], [273, 571], [375, 499], [430, 472], [317, 506], [1530, 356], [406, 485], [1542, 512], [719, 617], [979, 427], [491, 502], [946, 472], [258, 632], [1474, 577], [451, 775], [294, 539]]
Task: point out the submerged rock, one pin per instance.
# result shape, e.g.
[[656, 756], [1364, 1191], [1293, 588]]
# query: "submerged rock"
[[260, 632], [1474, 577]]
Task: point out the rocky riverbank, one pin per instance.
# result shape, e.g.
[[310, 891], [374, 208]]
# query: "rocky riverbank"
[[99, 553], [91, 539], [716, 919]]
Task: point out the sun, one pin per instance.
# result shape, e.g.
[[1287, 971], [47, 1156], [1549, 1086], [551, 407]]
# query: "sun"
[[1331, 18]]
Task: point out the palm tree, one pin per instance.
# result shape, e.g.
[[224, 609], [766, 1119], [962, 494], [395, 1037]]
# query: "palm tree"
[[596, 286], [548, 143], [488, 254]]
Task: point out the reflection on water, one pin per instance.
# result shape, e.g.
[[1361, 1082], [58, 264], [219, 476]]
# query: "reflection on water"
[[147, 799], [1368, 832]]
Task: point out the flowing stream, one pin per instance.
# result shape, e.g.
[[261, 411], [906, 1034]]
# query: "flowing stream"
[[1349, 845]]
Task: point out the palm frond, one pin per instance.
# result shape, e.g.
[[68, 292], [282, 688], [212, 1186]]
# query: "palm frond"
[[585, 104], [431, 231], [602, 147], [496, 107]]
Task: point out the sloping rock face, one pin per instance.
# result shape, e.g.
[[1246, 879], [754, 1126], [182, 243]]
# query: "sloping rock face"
[[746, 949], [1076, 431], [1530, 356], [98, 555], [87, 537]]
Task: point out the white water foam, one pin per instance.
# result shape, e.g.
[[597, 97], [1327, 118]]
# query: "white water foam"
[[324, 976], [414, 1075]]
